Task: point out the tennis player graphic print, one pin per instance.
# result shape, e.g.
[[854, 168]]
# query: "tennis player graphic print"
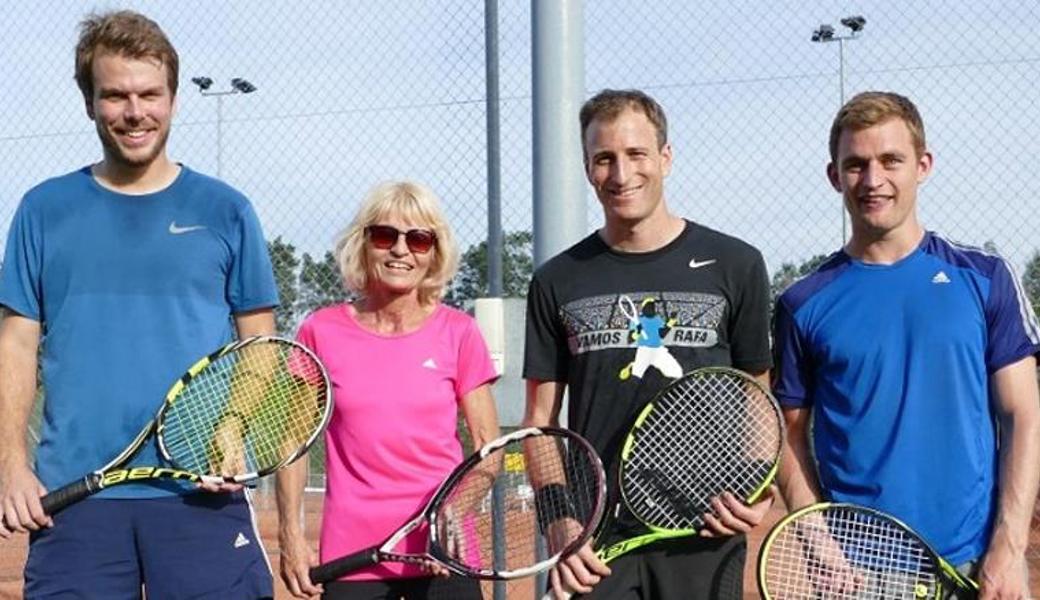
[[647, 325], [648, 331]]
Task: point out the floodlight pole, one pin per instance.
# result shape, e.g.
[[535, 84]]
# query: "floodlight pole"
[[824, 34], [238, 86]]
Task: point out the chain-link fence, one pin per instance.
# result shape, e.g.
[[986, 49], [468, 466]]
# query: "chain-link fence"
[[352, 93]]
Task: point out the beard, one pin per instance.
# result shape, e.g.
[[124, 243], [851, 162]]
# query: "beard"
[[119, 157]]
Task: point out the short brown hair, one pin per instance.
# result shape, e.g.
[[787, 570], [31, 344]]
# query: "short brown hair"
[[608, 104], [126, 33], [874, 108]]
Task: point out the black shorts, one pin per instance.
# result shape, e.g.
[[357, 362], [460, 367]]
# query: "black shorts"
[[418, 588], [680, 569]]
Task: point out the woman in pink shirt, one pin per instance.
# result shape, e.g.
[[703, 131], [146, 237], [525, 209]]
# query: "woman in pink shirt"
[[402, 364]]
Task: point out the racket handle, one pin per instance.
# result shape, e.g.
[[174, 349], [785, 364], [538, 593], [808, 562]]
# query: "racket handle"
[[72, 493], [549, 596], [335, 569]]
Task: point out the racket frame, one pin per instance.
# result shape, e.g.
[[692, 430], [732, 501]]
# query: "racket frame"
[[384, 551], [200, 366], [108, 475], [656, 533], [947, 579]]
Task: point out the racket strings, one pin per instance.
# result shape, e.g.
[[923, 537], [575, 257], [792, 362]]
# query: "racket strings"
[[708, 433], [248, 412], [498, 518], [846, 554]]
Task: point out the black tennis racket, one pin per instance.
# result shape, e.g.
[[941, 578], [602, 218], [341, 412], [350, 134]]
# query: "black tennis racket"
[[711, 431], [514, 508], [844, 551], [240, 413]]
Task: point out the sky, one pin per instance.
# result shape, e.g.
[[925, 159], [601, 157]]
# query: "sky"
[[353, 93]]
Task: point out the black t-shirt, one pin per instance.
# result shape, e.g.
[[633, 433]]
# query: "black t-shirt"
[[617, 327]]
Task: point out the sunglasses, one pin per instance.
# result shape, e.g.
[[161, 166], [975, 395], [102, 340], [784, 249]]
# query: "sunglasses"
[[419, 241]]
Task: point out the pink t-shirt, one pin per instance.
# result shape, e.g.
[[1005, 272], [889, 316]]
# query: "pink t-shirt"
[[392, 437]]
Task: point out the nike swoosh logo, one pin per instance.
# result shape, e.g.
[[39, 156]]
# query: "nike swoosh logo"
[[695, 264], [179, 230]]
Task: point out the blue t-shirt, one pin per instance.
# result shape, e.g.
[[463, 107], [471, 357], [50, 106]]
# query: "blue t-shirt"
[[130, 292], [895, 361]]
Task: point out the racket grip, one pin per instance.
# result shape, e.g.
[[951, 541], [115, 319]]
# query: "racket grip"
[[72, 493], [335, 569]]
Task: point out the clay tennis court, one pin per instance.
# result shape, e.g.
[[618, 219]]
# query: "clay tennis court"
[[12, 553]]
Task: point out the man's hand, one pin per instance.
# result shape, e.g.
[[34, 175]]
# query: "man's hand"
[[731, 516], [20, 493], [1003, 573], [227, 454], [577, 573], [295, 565]]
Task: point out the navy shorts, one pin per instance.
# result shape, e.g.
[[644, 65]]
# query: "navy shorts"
[[201, 546]]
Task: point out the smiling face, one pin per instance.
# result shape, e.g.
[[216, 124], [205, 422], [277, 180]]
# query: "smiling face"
[[626, 166], [397, 270], [132, 107], [878, 170]]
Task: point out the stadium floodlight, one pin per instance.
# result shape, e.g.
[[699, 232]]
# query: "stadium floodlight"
[[204, 83], [825, 33], [855, 23], [238, 86], [242, 85]]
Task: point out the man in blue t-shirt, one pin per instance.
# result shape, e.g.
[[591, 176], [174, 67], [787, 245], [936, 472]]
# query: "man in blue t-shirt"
[[915, 357], [116, 278]]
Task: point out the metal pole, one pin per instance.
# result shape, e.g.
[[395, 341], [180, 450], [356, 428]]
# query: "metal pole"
[[220, 134], [558, 82], [494, 162], [841, 103]]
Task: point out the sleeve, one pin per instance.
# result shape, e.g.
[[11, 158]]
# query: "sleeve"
[[791, 378], [21, 287], [749, 322], [1011, 325], [251, 283], [545, 344], [475, 365]]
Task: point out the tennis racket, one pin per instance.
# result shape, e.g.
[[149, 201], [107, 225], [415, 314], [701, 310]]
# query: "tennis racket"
[[712, 430], [628, 308], [844, 551], [240, 413], [534, 489]]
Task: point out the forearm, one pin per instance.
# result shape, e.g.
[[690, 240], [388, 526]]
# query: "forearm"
[[1019, 478], [797, 474], [256, 364], [478, 408], [19, 343], [1017, 402], [544, 399], [289, 487]]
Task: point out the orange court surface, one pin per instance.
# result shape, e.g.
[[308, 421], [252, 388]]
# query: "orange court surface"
[[12, 552]]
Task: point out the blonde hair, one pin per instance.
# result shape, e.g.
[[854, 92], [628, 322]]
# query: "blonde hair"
[[868, 109], [412, 202]]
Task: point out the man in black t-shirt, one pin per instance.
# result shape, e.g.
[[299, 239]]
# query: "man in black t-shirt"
[[620, 314]]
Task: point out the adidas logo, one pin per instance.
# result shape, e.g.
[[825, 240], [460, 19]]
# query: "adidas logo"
[[429, 364], [940, 277], [241, 540]]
